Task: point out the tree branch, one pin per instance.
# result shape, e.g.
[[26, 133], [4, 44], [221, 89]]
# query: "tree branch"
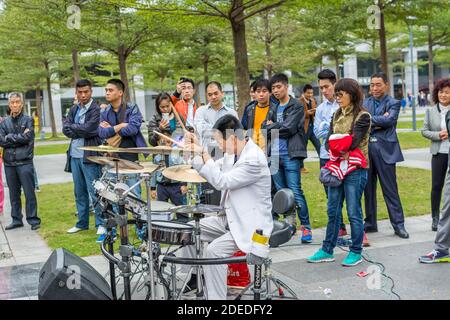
[[221, 13], [268, 7]]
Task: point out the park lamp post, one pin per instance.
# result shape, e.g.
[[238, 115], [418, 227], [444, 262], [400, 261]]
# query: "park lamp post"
[[410, 20]]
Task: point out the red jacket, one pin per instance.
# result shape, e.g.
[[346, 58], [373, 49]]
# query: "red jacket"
[[182, 108], [339, 145]]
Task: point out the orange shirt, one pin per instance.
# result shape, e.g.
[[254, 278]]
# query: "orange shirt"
[[260, 116]]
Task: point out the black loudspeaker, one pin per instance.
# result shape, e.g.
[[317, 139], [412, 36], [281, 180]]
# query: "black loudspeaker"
[[65, 276]]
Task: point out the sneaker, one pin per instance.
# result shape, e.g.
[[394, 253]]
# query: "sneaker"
[[321, 256], [352, 259], [101, 230], [306, 235], [101, 238], [342, 233], [74, 230], [366, 242], [37, 190], [304, 170], [435, 256]]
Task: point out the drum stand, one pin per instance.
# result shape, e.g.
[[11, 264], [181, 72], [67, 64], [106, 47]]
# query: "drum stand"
[[198, 255]]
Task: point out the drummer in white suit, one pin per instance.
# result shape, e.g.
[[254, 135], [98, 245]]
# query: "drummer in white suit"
[[243, 177]]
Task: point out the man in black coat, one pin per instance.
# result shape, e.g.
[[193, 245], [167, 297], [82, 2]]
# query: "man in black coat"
[[17, 140], [285, 129], [384, 153], [81, 125]]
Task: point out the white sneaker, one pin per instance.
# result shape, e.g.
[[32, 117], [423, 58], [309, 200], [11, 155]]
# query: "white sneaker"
[[101, 230], [74, 230]]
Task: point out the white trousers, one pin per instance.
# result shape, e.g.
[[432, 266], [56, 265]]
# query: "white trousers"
[[221, 245]]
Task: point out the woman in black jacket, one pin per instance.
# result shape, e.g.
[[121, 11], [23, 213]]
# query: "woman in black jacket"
[[165, 119]]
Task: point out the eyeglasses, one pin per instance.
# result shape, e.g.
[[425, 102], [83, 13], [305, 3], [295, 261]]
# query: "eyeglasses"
[[340, 94]]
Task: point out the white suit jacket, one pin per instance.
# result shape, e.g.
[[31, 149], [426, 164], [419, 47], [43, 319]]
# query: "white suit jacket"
[[245, 187]]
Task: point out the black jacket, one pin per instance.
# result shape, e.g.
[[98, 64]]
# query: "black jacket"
[[292, 128], [88, 130], [18, 146]]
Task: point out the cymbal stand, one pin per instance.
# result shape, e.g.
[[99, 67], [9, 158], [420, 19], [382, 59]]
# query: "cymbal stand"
[[198, 255]]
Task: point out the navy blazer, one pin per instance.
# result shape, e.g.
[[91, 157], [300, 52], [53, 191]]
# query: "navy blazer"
[[384, 129], [89, 130]]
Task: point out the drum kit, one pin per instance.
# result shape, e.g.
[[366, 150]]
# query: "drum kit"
[[155, 230], [155, 223]]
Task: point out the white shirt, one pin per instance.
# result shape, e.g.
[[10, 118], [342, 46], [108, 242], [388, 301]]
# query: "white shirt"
[[190, 115], [445, 145]]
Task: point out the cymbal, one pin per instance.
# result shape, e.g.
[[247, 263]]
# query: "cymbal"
[[103, 148], [203, 210], [146, 150], [112, 162], [153, 150], [147, 167], [183, 173]]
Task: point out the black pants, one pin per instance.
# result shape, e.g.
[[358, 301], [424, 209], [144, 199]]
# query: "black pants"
[[387, 174], [439, 167], [323, 162], [19, 177]]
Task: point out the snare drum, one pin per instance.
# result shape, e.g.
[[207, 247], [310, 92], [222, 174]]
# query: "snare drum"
[[174, 233]]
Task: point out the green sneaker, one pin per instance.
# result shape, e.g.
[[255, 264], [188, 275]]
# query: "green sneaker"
[[352, 259], [321, 256]]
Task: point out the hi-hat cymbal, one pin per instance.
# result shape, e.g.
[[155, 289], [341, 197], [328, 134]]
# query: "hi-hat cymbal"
[[183, 173], [148, 167], [113, 162], [203, 210]]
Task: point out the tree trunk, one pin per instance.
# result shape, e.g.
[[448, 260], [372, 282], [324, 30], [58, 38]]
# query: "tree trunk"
[[430, 60], [50, 101], [205, 73], [123, 71], [75, 66], [39, 108], [267, 43], [336, 61], [242, 73], [383, 44]]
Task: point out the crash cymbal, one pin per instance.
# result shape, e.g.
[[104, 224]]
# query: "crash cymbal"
[[203, 210], [113, 162], [153, 150], [148, 167], [183, 173], [103, 148]]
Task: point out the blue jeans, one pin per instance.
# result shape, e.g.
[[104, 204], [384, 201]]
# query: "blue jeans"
[[83, 177], [351, 190], [288, 176]]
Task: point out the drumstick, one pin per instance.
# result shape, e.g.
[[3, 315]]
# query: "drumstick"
[[168, 138], [175, 112]]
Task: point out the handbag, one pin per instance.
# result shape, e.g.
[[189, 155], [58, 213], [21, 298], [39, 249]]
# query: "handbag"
[[115, 140]]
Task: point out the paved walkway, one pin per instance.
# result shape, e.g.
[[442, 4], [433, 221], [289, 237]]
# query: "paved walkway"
[[22, 253]]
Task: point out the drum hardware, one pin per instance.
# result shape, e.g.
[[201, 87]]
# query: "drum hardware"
[[201, 210]]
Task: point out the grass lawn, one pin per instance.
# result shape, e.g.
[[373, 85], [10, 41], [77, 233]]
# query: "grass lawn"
[[50, 149], [412, 140], [57, 208], [409, 125], [48, 137]]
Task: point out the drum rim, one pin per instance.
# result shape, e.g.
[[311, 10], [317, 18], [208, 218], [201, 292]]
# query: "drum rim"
[[186, 226]]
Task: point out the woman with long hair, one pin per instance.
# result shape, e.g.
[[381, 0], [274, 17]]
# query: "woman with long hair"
[[349, 119], [165, 119]]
